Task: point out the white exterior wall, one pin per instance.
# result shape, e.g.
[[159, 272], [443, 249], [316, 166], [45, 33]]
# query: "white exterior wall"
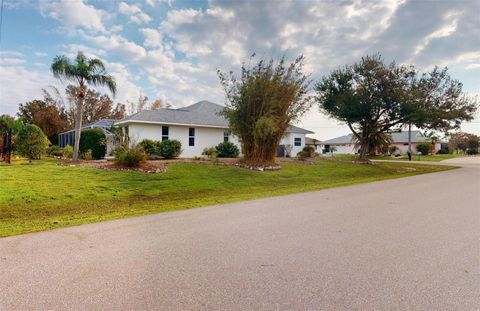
[[205, 137], [403, 147], [289, 139]]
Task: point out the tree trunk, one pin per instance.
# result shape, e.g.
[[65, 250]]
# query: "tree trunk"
[[364, 146], [78, 124]]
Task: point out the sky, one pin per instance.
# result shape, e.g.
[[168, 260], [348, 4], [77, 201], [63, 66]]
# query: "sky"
[[171, 49]]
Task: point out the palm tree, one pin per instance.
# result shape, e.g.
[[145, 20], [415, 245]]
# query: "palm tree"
[[82, 71]]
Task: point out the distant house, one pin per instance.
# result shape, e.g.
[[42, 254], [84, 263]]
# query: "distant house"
[[197, 127], [68, 137], [345, 144]]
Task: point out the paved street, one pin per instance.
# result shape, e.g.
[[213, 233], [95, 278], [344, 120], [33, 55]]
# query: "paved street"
[[410, 243]]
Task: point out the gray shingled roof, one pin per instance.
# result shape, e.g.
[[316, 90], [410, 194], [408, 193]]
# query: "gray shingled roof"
[[398, 137], [203, 113]]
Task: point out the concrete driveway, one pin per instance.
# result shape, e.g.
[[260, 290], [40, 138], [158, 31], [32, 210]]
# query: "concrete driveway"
[[404, 244]]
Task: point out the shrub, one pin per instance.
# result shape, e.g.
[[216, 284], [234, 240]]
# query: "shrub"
[[307, 152], [443, 151], [55, 151], [424, 148], [130, 156], [87, 155], [210, 152], [472, 151], [31, 142], [149, 146], [170, 149], [392, 149], [227, 150], [94, 140], [68, 152]]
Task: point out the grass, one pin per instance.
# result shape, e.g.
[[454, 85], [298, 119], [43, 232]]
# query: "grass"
[[429, 158], [44, 196]]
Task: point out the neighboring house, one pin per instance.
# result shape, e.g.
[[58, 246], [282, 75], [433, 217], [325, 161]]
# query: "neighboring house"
[[197, 127], [345, 144], [68, 138]]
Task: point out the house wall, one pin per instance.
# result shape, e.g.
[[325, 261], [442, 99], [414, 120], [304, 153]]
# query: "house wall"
[[289, 139], [342, 148], [205, 137], [403, 147]]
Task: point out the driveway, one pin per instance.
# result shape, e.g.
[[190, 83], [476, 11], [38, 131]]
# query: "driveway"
[[410, 243]]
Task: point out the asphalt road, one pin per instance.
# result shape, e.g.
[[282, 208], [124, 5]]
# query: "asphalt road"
[[404, 244]]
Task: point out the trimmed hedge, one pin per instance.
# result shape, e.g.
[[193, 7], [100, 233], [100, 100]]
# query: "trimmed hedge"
[[170, 149], [149, 146], [31, 142], [424, 148], [227, 150], [94, 140]]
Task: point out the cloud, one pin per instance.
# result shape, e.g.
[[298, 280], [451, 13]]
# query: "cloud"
[[12, 92], [74, 15], [136, 14], [473, 66], [41, 54]]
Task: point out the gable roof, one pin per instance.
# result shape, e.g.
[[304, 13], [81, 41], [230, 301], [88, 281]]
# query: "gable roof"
[[398, 137], [203, 113]]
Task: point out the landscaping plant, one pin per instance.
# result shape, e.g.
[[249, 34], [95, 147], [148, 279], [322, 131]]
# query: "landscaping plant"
[[149, 146], [93, 140], [262, 103], [130, 156], [423, 148], [170, 149], [31, 142], [227, 149], [68, 152], [82, 71]]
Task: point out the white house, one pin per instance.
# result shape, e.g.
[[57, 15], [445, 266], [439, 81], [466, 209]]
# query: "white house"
[[346, 145], [197, 127]]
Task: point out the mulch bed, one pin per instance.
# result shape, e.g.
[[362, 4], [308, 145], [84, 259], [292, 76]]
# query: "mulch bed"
[[149, 167]]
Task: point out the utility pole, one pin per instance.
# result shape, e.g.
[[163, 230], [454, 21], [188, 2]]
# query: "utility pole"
[[409, 141]]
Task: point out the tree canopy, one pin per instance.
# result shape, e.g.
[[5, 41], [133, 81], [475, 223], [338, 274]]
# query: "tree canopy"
[[367, 96], [261, 104]]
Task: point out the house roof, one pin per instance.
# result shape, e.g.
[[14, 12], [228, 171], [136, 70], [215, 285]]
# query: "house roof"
[[397, 137], [104, 124], [311, 141], [203, 113]]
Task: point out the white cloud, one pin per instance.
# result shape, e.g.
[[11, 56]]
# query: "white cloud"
[[74, 15], [473, 66], [41, 54], [136, 14], [19, 84]]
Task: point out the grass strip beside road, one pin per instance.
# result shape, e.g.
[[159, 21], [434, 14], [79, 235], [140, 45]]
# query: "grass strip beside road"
[[45, 196]]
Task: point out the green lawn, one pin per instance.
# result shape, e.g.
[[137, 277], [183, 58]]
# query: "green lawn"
[[45, 196], [430, 158]]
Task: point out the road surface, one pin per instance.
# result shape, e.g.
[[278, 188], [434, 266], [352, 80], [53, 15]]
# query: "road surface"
[[410, 243]]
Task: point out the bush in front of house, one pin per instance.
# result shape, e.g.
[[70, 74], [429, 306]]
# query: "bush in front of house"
[[227, 149], [55, 150], [150, 146], [210, 152], [94, 140], [307, 152], [130, 156], [392, 150], [170, 149], [31, 142], [423, 148], [68, 151]]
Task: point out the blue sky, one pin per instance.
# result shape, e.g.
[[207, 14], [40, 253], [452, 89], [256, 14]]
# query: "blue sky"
[[170, 49]]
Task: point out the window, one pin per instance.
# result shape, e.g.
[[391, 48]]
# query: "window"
[[164, 133], [191, 136], [298, 141], [225, 136]]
